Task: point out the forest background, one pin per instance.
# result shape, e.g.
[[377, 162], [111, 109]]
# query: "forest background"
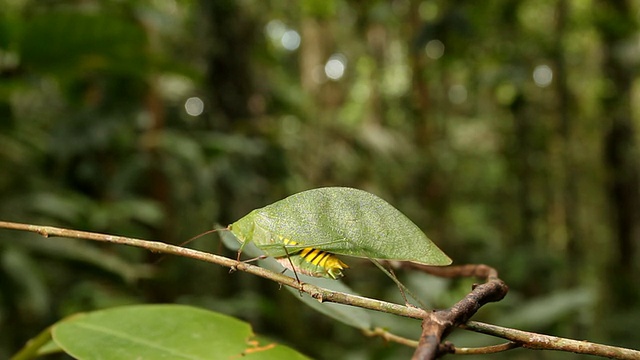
[[507, 130]]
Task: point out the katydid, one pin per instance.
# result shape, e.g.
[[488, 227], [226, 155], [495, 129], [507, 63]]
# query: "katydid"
[[307, 229]]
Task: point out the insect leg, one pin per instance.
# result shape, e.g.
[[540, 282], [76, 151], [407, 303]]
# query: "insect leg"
[[402, 293], [293, 268], [233, 268], [400, 285]]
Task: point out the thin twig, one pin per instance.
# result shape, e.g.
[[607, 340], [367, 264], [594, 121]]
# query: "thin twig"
[[469, 270], [535, 341], [380, 332], [486, 349]]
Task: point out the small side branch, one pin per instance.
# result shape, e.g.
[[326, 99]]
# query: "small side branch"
[[535, 341], [438, 324], [387, 336], [483, 350]]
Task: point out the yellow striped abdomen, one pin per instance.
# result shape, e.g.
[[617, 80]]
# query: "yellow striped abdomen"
[[314, 262]]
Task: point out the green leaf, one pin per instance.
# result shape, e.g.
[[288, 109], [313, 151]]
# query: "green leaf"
[[162, 332]]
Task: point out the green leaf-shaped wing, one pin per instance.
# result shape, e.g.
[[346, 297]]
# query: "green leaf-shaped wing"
[[342, 221]]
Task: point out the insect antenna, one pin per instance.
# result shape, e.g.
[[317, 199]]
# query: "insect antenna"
[[202, 234], [401, 286], [233, 268], [190, 240]]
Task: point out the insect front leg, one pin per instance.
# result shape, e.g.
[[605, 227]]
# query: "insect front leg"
[[234, 268]]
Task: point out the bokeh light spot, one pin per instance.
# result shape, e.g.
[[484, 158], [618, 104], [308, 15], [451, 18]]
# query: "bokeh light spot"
[[434, 49], [335, 67], [542, 75], [194, 106], [290, 40], [275, 29]]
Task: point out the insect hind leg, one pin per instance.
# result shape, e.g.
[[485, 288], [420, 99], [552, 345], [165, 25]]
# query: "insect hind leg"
[[295, 273], [403, 289]]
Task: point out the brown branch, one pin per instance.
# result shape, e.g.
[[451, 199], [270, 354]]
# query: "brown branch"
[[446, 347], [470, 270], [547, 342], [380, 332], [316, 292], [437, 323]]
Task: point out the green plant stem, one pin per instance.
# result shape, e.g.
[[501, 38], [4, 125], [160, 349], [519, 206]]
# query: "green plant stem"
[[30, 349]]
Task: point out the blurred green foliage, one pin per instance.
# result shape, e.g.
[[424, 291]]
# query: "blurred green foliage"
[[437, 111]]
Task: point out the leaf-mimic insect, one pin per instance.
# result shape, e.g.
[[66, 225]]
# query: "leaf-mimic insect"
[[307, 229]]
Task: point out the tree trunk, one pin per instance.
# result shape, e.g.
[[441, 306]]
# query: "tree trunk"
[[617, 27]]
